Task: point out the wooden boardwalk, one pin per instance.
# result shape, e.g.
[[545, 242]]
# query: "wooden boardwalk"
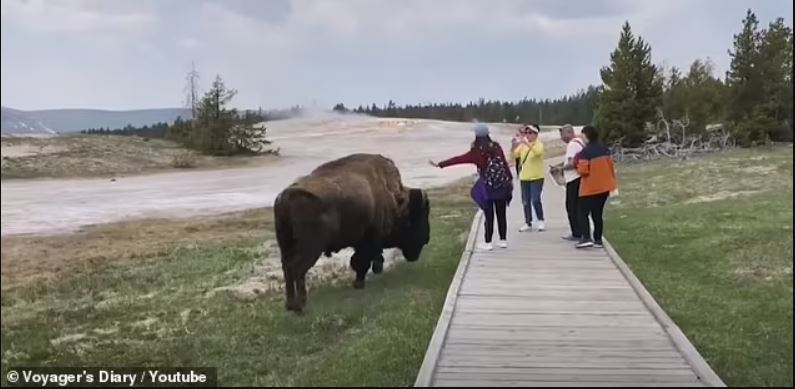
[[542, 313]]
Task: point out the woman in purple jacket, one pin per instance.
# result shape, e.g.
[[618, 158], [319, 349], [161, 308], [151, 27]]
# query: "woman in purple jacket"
[[494, 189]]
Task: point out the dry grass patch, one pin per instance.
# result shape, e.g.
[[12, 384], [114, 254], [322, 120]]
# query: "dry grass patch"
[[141, 293], [30, 259], [104, 155]]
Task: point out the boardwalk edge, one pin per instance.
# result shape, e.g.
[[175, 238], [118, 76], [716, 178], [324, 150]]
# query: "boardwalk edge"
[[680, 341], [425, 375]]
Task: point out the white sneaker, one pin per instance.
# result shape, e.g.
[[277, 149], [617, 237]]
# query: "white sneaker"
[[485, 246], [584, 244], [525, 228], [540, 225], [503, 244]]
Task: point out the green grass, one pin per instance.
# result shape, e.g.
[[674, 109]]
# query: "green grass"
[[711, 238], [156, 312]]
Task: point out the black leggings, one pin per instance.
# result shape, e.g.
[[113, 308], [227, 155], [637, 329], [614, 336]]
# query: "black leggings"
[[498, 207], [593, 206]]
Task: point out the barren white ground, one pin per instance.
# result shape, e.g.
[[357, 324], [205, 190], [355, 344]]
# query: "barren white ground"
[[48, 206]]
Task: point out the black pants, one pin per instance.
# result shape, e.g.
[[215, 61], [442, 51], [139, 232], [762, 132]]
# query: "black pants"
[[592, 206], [573, 207], [497, 207]]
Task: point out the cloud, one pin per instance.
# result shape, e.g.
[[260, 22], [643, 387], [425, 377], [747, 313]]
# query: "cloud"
[[417, 19], [344, 34], [76, 16], [189, 43], [304, 23], [284, 52], [228, 27]]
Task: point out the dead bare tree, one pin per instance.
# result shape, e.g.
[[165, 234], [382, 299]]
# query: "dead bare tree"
[[192, 89], [663, 142]]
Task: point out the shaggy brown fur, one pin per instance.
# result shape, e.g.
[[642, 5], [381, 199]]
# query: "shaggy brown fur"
[[357, 201]]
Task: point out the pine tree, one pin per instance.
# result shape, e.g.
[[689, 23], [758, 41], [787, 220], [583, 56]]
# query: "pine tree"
[[698, 96], [775, 70], [177, 131], [746, 85], [576, 109], [703, 95], [674, 95], [214, 120], [760, 82], [632, 91], [744, 78]]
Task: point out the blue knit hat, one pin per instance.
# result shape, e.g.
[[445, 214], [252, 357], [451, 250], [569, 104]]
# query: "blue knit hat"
[[481, 130]]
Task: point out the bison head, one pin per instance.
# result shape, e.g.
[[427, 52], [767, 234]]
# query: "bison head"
[[417, 232]]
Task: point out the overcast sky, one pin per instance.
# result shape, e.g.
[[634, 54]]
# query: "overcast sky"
[[130, 54]]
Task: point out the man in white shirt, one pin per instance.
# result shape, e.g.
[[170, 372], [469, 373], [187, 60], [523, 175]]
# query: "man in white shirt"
[[573, 146]]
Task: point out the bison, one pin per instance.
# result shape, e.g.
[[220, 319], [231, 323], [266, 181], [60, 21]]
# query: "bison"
[[358, 201]]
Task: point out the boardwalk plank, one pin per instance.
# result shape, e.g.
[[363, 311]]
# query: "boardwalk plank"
[[542, 313], [563, 371], [542, 384], [561, 361], [625, 344], [571, 376]]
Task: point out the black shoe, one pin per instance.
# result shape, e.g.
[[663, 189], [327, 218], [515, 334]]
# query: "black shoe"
[[598, 244]]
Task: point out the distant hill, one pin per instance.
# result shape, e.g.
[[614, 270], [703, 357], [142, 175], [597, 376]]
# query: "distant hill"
[[13, 121], [74, 120]]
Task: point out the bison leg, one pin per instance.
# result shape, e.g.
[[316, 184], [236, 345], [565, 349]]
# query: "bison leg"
[[295, 277], [300, 287], [378, 264], [360, 262], [289, 289]]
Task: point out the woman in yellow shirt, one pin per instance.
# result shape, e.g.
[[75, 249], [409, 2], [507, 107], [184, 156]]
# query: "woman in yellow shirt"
[[530, 154]]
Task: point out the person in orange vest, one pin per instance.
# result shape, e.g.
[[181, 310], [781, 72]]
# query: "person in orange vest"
[[595, 165]]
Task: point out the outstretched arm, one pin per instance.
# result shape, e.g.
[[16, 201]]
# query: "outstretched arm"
[[468, 157]]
